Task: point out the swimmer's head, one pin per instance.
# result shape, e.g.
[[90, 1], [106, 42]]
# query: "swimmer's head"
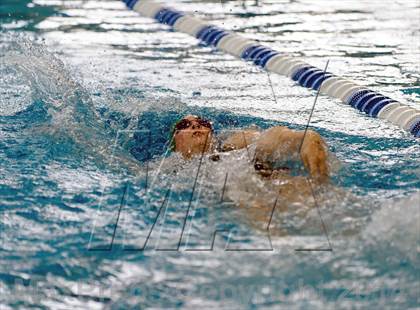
[[192, 135]]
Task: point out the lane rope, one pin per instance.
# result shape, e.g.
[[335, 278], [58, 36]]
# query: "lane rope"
[[361, 98]]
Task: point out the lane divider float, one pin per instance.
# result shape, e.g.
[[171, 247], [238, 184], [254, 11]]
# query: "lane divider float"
[[370, 102]]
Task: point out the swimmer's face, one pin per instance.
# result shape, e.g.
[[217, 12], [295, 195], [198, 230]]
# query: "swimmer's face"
[[192, 136]]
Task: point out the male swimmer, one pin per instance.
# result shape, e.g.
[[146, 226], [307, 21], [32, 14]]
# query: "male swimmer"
[[193, 135]]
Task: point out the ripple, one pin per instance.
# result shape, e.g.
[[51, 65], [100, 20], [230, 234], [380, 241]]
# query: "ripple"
[[73, 73]]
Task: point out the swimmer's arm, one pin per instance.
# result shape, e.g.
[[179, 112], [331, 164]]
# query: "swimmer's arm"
[[240, 139], [314, 154], [282, 143]]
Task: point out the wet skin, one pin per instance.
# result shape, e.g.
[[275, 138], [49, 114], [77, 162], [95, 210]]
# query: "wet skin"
[[276, 144]]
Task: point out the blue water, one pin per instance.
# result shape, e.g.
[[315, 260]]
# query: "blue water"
[[88, 94]]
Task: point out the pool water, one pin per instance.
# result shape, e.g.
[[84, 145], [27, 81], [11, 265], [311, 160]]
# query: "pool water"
[[97, 214]]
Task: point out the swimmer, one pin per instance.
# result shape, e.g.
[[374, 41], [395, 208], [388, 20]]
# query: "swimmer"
[[194, 136]]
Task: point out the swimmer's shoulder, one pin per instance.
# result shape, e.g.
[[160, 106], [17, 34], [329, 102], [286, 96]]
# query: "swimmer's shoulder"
[[239, 139]]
